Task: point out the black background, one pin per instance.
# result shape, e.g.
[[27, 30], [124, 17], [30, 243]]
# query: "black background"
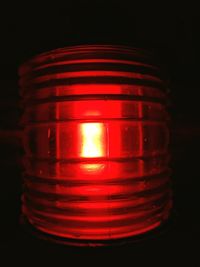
[[169, 30]]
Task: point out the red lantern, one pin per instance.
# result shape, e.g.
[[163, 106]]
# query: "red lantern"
[[96, 143]]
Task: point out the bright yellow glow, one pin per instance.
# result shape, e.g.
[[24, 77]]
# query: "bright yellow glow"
[[92, 140], [93, 168]]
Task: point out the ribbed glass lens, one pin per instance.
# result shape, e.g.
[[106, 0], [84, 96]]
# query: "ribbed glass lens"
[[96, 143]]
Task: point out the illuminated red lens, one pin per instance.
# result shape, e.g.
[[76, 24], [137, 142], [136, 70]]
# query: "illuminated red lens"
[[96, 143]]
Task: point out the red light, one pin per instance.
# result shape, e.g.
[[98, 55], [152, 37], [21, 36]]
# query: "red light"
[[96, 143]]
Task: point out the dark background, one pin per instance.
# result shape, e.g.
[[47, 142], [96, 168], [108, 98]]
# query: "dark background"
[[171, 31]]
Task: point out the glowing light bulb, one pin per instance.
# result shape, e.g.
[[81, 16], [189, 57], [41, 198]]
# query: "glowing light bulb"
[[93, 140]]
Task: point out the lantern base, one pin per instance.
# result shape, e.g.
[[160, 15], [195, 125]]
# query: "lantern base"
[[152, 233]]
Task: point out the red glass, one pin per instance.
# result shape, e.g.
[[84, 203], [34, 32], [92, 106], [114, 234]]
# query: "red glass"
[[96, 143]]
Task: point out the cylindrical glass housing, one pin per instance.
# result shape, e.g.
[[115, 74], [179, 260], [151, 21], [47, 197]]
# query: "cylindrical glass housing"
[[96, 143]]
